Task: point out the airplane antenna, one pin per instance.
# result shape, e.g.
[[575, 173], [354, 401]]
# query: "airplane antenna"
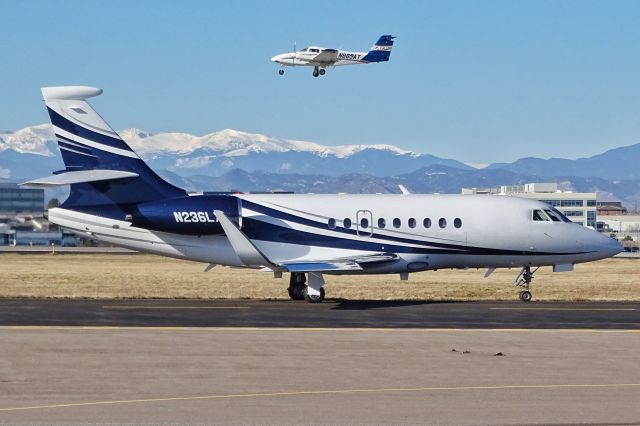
[[294, 52]]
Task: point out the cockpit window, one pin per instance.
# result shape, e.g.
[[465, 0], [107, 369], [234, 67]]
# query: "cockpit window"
[[553, 216], [304, 50], [561, 216], [539, 216], [314, 50]]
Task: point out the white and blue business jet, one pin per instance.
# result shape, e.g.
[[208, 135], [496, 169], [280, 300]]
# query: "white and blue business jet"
[[320, 57], [116, 198]]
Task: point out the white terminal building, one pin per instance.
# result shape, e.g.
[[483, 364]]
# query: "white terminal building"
[[580, 207]]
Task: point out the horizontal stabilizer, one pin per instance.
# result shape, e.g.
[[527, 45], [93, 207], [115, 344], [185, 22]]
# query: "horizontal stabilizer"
[[80, 176], [70, 93]]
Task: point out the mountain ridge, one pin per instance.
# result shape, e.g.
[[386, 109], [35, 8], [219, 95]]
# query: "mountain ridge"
[[234, 160]]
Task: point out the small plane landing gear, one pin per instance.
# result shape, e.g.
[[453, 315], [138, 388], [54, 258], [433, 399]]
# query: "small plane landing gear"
[[524, 279], [281, 72], [313, 298], [297, 286], [322, 71], [316, 71]]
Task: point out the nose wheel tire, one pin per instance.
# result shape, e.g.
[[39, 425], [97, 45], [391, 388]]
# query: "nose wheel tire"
[[525, 296], [314, 298], [281, 72]]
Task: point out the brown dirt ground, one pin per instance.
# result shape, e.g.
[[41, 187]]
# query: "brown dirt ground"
[[149, 276]]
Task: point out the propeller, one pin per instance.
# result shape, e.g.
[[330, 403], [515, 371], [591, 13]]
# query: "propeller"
[[294, 52]]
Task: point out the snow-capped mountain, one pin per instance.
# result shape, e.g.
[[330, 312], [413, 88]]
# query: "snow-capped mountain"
[[216, 153], [30, 140], [233, 160]]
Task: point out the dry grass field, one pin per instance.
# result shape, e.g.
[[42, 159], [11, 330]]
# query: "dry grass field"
[[148, 276]]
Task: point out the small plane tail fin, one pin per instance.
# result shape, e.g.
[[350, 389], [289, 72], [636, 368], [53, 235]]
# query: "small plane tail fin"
[[381, 51], [112, 173]]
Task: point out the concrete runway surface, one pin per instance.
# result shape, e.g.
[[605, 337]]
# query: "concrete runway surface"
[[137, 362]]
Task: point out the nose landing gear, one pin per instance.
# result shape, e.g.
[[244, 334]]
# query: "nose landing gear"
[[523, 280], [281, 71]]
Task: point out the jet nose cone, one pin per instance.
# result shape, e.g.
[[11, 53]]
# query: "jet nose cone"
[[612, 247], [603, 245]]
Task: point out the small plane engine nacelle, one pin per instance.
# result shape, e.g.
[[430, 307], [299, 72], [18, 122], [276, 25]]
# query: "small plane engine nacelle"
[[190, 215]]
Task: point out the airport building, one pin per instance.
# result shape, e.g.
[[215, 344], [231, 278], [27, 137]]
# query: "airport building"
[[580, 207], [22, 219], [15, 199]]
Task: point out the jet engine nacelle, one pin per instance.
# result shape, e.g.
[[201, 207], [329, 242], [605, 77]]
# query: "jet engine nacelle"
[[191, 215]]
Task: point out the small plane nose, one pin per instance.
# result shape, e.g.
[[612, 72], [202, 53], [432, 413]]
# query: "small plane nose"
[[276, 58]]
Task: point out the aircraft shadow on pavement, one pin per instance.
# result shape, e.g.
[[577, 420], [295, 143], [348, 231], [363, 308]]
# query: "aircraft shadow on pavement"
[[345, 304]]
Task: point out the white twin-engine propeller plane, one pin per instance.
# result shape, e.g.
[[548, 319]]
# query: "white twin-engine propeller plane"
[[319, 57], [116, 198]]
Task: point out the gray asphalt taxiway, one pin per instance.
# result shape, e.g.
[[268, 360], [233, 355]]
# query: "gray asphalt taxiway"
[[339, 362], [331, 313]]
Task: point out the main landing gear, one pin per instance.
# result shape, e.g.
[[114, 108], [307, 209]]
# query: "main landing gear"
[[318, 71], [523, 280], [299, 289], [297, 286]]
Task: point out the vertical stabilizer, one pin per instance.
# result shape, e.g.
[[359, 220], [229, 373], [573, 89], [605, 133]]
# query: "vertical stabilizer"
[[381, 51], [87, 143]]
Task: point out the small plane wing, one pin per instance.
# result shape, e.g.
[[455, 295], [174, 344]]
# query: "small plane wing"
[[250, 255], [326, 57]]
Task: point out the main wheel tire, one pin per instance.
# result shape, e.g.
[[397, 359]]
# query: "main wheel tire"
[[314, 299], [297, 292], [316, 73], [322, 72], [281, 72], [525, 296]]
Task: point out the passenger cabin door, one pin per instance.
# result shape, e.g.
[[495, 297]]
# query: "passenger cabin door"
[[364, 223]]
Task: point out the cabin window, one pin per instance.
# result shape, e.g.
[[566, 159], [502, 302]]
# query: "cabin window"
[[396, 223], [457, 222], [382, 223], [412, 223], [442, 222], [426, 222], [347, 223], [364, 223], [332, 223], [539, 216]]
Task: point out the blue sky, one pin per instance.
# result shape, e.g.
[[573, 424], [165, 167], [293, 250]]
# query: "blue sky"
[[479, 81]]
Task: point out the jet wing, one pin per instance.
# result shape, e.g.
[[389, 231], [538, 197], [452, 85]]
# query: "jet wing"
[[356, 263], [326, 57], [251, 256]]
